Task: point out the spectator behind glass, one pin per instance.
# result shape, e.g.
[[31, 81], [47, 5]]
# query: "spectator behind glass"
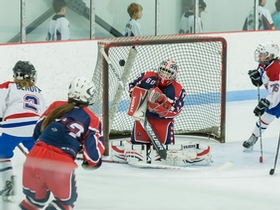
[[59, 25], [265, 19], [276, 16], [133, 28], [187, 21]]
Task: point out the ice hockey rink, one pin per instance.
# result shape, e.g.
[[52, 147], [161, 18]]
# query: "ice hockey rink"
[[245, 185]]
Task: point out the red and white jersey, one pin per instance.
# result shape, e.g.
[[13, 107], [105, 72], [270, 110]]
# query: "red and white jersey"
[[20, 109], [133, 28], [187, 24], [59, 29], [271, 80]]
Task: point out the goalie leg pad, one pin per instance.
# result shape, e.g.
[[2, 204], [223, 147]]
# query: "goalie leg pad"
[[135, 153], [182, 152], [117, 150], [189, 154], [204, 156], [153, 156]]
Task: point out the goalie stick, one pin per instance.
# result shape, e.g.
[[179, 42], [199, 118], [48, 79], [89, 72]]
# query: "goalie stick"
[[223, 167], [154, 138]]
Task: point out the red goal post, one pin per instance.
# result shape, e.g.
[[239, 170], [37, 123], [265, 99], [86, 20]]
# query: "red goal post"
[[202, 73]]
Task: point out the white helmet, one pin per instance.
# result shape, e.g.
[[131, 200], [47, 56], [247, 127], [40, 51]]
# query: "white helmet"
[[81, 89], [270, 49]]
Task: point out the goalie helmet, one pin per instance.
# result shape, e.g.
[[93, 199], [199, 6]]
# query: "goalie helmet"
[[167, 72], [81, 89], [269, 49], [24, 70]]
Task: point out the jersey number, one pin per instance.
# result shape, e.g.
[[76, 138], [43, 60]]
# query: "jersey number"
[[30, 102]]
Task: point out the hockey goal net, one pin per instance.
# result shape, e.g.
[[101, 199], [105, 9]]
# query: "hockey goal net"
[[202, 73]]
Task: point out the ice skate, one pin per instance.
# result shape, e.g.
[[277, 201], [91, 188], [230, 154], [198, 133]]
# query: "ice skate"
[[8, 193], [248, 145]]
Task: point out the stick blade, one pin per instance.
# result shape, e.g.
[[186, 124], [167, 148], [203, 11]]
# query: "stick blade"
[[271, 172], [162, 154], [261, 159]]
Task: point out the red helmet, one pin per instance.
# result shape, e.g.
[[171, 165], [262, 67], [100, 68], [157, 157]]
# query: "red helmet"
[[167, 72]]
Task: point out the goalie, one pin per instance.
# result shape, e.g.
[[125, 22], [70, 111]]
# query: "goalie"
[[165, 100]]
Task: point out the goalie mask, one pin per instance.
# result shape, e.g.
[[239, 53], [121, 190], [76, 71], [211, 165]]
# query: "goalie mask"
[[167, 72], [81, 89], [266, 52], [24, 70]]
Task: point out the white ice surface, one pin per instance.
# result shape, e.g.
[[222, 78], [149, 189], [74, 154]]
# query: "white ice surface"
[[245, 185]]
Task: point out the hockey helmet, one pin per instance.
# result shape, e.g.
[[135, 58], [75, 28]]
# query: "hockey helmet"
[[24, 70], [167, 72], [81, 89], [270, 49]]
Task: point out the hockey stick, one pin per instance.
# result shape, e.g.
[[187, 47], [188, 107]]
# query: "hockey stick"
[[22, 150], [260, 128], [223, 167], [271, 172], [154, 138], [112, 68]]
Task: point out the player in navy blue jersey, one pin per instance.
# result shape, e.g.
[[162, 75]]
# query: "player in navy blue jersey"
[[65, 129]]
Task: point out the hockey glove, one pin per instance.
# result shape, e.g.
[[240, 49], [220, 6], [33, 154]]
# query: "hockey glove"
[[260, 108], [156, 96], [86, 166], [255, 77]]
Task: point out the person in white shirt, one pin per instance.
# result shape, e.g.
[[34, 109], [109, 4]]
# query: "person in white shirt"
[[59, 26], [21, 104], [133, 28], [186, 25], [265, 19]]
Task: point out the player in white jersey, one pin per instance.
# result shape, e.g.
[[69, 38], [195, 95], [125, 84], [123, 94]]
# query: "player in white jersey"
[[21, 104], [186, 25], [267, 74], [133, 28], [264, 18], [59, 25]]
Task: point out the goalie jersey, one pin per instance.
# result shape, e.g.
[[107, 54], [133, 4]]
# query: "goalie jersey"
[[174, 91]]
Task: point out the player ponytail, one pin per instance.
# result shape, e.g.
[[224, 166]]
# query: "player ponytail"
[[60, 111]]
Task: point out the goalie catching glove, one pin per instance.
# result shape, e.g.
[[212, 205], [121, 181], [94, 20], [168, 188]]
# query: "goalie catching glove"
[[158, 102]]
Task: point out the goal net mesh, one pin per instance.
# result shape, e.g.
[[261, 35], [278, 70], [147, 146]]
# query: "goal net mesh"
[[201, 62]]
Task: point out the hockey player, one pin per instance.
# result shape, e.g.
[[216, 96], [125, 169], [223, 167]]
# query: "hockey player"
[[21, 104], [266, 74], [65, 128], [59, 26], [164, 102]]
